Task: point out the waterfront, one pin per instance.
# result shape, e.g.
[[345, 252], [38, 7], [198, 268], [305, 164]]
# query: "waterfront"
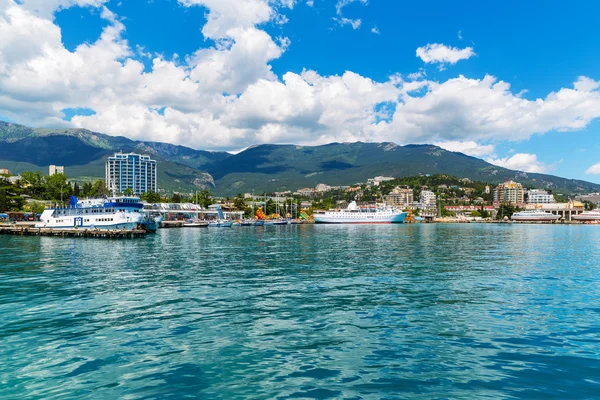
[[380, 311]]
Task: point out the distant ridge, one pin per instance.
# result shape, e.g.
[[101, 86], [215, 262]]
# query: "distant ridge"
[[259, 168]]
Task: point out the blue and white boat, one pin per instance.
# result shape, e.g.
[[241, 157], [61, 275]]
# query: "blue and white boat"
[[108, 213], [221, 222]]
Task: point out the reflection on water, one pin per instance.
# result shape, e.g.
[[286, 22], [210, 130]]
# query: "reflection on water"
[[412, 311]]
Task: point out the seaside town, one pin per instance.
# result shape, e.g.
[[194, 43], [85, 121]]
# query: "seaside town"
[[35, 200]]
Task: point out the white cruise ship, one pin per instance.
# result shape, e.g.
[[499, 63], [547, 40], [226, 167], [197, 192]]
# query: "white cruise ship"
[[534, 216], [588, 216], [108, 213], [361, 215]]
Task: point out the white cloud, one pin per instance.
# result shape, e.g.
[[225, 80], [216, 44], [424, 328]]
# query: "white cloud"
[[440, 54], [594, 169], [375, 30], [459, 35], [354, 23], [227, 96], [468, 147], [521, 162]]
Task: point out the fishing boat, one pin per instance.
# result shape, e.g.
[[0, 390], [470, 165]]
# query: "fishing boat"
[[119, 212], [354, 214], [535, 216]]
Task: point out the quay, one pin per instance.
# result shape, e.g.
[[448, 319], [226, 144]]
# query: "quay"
[[84, 233]]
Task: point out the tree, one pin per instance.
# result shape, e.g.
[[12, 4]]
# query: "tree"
[[10, 196], [506, 210], [128, 192], [57, 187], [150, 197], [33, 184], [176, 198]]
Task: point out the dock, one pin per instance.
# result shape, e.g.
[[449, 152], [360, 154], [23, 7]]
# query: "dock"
[[71, 233]]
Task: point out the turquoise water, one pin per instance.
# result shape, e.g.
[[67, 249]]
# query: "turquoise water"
[[353, 312]]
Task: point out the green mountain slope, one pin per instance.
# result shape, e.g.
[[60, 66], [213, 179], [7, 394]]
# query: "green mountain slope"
[[259, 168], [287, 167]]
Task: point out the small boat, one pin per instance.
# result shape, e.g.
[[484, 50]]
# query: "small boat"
[[246, 222], [151, 221], [296, 222], [196, 224], [220, 223], [280, 222], [258, 222]]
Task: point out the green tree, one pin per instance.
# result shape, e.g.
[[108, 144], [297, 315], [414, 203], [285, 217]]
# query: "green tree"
[[150, 197], [176, 198], [57, 187], [33, 184], [10, 196], [128, 192], [99, 189]]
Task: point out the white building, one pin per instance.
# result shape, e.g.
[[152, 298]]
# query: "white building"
[[131, 171], [427, 197], [56, 169], [378, 179], [537, 196]]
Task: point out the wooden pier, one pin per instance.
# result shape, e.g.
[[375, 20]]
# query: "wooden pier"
[[71, 233]]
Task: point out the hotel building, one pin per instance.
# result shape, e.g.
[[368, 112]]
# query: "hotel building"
[[509, 192], [131, 171]]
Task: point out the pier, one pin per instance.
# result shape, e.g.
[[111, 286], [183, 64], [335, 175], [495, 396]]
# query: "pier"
[[71, 233]]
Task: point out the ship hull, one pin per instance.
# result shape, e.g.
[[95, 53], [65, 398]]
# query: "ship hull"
[[537, 219], [360, 220]]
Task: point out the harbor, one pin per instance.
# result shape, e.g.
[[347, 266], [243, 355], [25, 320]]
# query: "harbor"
[[23, 230]]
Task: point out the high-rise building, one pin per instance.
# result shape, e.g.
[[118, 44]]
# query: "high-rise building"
[[131, 171], [400, 197], [509, 192], [56, 169], [427, 197]]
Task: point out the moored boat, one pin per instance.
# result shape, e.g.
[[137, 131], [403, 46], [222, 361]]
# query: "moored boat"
[[534, 216], [593, 215], [196, 223], [220, 223], [361, 215], [109, 213]]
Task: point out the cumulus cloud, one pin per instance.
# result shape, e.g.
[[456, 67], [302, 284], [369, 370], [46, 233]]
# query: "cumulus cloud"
[[227, 96], [521, 162], [468, 147], [594, 169], [441, 54]]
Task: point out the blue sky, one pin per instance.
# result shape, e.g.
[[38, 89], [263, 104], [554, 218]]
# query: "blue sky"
[[515, 84]]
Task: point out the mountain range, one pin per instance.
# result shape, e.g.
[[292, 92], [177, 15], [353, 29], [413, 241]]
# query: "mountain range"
[[261, 168]]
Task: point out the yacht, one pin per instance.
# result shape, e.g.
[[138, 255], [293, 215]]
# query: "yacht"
[[355, 214], [107, 213], [593, 215], [535, 216]]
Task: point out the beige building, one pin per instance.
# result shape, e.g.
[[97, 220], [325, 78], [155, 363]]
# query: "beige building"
[[401, 197], [56, 169], [509, 192]]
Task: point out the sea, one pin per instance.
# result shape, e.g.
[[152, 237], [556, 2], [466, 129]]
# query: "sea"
[[425, 311]]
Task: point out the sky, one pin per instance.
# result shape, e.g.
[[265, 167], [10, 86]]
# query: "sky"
[[515, 83]]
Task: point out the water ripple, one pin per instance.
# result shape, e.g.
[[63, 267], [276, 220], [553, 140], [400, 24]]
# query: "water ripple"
[[353, 312]]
